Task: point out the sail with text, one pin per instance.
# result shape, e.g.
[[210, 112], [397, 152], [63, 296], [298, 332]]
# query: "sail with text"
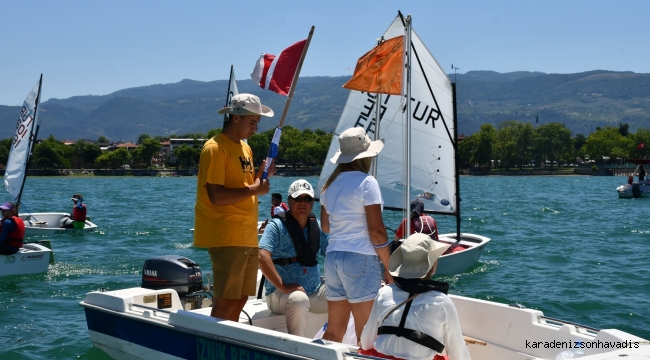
[[22, 144], [433, 171], [232, 91]]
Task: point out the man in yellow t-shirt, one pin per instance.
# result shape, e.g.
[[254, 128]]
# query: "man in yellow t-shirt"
[[225, 214]]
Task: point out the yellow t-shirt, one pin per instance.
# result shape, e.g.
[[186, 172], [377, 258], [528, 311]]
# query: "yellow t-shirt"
[[224, 162]]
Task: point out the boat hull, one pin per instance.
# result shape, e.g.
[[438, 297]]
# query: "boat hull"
[[121, 326], [50, 225], [459, 262], [628, 191], [31, 259]]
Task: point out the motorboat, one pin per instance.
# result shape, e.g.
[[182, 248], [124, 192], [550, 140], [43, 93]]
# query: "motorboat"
[[32, 258], [169, 318], [47, 224], [639, 189]]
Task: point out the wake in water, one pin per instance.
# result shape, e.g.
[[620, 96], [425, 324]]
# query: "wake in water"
[[545, 209]]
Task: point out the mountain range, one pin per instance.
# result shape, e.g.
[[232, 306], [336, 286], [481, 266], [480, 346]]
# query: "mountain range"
[[581, 101]]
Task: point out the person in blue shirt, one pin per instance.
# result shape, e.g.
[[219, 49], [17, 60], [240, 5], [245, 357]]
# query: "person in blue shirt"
[[288, 258]]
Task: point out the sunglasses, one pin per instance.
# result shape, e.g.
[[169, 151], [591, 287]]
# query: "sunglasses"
[[306, 199]]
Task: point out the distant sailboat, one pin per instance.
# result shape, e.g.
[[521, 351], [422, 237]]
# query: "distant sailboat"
[[16, 171], [431, 173]]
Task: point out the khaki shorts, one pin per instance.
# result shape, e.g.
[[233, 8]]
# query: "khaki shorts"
[[234, 270]]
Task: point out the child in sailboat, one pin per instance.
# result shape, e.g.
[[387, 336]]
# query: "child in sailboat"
[[12, 230]]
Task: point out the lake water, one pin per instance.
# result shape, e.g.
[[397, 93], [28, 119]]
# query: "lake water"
[[565, 245]]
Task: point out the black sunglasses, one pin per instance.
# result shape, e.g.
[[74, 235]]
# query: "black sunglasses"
[[303, 198]]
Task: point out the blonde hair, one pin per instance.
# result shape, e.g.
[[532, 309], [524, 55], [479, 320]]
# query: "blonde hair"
[[362, 165]]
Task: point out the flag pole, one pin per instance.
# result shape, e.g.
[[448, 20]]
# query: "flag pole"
[[295, 77], [33, 141], [278, 130]]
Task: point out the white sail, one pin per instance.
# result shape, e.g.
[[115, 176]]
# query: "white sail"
[[433, 177], [232, 86], [22, 144]]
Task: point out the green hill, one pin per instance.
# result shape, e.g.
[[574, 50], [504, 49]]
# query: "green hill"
[[581, 101]]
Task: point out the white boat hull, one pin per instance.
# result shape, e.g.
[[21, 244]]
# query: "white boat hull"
[[627, 191], [459, 262], [47, 224], [31, 259], [127, 325]]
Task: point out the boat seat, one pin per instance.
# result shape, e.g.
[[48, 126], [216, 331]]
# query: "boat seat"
[[261, 316]]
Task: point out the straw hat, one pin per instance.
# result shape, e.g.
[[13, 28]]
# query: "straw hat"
[[246, 104], [415, 257], [355, 144]]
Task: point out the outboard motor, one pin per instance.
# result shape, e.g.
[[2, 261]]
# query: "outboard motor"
[[177, 273], [636, 190]]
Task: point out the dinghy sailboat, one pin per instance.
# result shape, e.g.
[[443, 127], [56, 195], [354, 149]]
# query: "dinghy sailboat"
[[16, 170], [425, 126], [30, 258], [169, 317]]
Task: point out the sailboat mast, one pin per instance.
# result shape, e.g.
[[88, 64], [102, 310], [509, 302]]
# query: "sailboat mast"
[[225, 116], [456, 162], [32, 139], [407, 47], [376, 133]]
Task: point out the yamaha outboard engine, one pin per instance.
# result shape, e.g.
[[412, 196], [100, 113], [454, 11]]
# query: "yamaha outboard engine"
[[177, 273], [636, 190]]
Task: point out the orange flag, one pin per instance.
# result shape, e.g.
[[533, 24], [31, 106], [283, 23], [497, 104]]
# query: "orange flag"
[[380, 69]]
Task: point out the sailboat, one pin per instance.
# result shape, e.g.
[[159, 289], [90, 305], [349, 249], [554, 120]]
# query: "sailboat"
[[16, 170], [169, 317], [428, 130], [31, 258]]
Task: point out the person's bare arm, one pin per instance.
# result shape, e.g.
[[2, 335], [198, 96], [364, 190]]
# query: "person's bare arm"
[[221, 195], [378, 236], [324, 220], [268, 269]]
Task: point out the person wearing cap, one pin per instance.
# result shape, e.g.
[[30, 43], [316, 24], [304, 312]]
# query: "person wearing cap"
[[77, 219], [358, 244], [288, 258], [12, 229], [225, 213], [419, 223], [415, 307]]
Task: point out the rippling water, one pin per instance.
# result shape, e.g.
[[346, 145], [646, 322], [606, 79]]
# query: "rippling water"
[[565, 245]]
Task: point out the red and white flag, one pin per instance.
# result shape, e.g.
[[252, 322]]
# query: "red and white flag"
[[276, 73]]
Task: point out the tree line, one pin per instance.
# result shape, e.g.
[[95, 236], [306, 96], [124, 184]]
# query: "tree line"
[[517, 144], [297, 148]]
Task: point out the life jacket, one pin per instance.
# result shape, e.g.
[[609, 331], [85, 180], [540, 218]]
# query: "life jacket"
[[306, 250], [15, 238], [283, 205], [414, 287], [79, 214]]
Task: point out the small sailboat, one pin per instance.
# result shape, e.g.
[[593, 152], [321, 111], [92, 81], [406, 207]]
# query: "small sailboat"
[[420, 157], [32, 258], [15, 173]]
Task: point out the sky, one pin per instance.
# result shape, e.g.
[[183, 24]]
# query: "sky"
[[98, 47]]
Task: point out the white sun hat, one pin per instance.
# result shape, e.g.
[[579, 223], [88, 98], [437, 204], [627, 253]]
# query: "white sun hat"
[[355, 144]]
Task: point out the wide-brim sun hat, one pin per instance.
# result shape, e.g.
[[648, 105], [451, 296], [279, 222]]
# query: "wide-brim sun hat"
[[355, 144], [246, 104], [415, 257]]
